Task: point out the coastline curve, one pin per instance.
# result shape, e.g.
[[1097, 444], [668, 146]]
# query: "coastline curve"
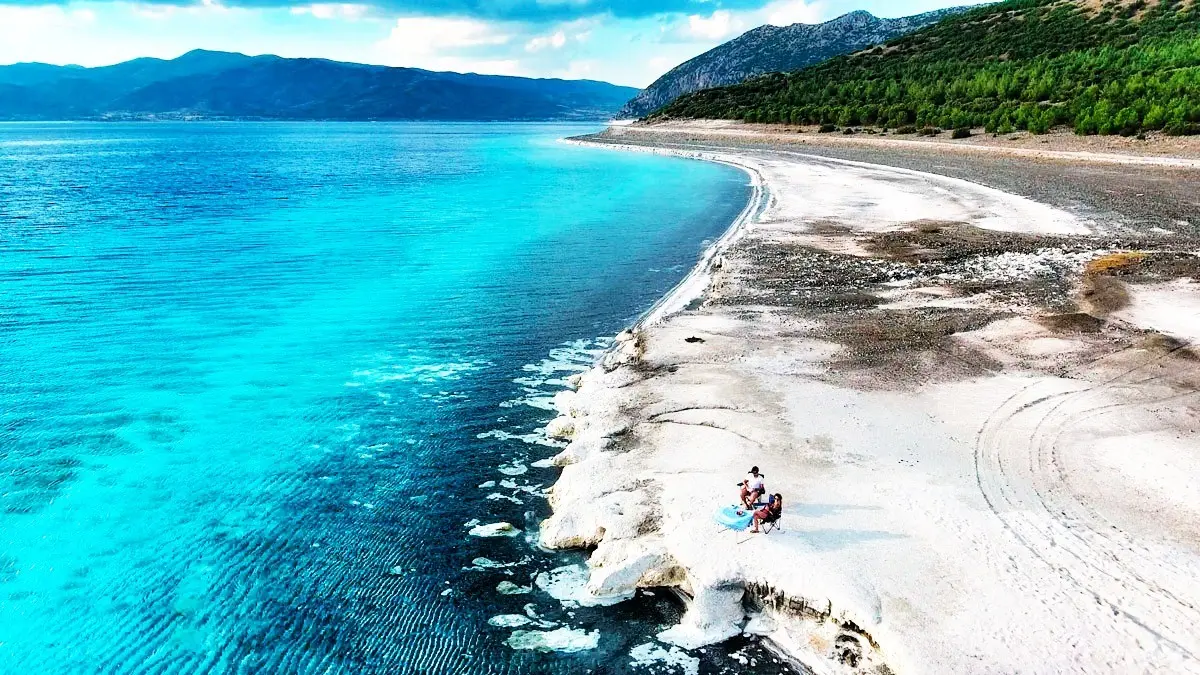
[[694, 284]]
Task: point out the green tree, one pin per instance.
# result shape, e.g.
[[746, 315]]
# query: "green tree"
[[1127, 122], [1156, 117], [1085, 125]]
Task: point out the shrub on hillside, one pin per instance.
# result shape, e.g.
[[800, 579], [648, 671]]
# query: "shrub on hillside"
[[961, 132], [1182, 129]]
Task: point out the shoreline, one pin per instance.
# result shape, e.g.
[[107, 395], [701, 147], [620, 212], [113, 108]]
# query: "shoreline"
[[627, 491], [697, 280], [1063, 147], [694, 286]]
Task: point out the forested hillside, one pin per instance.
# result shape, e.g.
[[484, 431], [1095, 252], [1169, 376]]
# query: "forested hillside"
[[769, 49], [1117, 66]]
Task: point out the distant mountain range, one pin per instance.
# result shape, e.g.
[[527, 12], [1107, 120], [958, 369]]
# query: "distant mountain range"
[[209, 84], [771, 49]]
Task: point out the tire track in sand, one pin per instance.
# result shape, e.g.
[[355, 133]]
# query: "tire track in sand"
[[1021, 477]]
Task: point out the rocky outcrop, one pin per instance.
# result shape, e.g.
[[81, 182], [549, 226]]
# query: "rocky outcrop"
[[770, 49], [609, 501]]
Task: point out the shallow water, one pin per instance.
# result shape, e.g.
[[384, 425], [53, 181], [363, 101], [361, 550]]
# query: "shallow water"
[[253, 375]]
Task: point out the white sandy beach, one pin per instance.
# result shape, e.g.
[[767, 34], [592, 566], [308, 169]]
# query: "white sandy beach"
[[1014, 494]]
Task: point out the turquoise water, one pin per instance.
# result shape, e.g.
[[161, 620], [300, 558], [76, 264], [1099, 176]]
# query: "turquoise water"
[[252, 375]]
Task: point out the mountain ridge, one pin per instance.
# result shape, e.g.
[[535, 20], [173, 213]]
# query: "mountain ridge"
[[776, 49], [212, 84]]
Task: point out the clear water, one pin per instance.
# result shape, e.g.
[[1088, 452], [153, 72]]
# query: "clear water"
[[252, 375]]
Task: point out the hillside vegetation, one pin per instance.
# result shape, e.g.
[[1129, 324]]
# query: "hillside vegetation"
[[770, 49], [1101, 67]]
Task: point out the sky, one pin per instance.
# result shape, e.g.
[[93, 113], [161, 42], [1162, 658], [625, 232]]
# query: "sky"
[[629, 42]]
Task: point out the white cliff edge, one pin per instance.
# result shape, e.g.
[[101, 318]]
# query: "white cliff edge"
[[600, 503]]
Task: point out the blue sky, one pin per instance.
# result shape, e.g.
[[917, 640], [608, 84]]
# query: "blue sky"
[[623, 41]]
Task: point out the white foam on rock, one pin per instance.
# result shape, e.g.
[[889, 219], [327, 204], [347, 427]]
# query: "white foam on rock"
[[494, 530], [510, 621], [647, 655], [714, 615], [489, 564], [514, 469], [569, 585], [564, 640], [509, 588], [537, 437]]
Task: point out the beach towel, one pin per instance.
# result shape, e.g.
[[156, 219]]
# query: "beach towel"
[[727, 516]]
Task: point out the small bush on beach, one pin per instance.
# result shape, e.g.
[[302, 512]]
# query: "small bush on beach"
[[827, 128], [1114, 263], [906, 129], [961, 132], [1182, 129]]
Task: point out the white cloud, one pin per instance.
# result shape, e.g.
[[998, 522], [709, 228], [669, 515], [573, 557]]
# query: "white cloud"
[[204, 7], [464, 45], [721, 24], [788, 12], [583, 69], [426, 35], [555, 40], [31, 33], [347, 11], [661, 64], [15, 20], [460, 64]]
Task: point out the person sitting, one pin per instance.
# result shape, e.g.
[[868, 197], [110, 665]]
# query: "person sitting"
[[769, 513], [752, 488]]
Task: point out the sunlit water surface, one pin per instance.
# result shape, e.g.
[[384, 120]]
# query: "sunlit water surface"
[[253, 375]]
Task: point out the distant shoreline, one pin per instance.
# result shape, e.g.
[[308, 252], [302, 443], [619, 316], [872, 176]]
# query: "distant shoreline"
[[153, 119], [1157, 150]]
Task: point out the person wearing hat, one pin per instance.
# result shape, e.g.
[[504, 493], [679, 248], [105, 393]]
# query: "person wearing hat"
[[752, 488]]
